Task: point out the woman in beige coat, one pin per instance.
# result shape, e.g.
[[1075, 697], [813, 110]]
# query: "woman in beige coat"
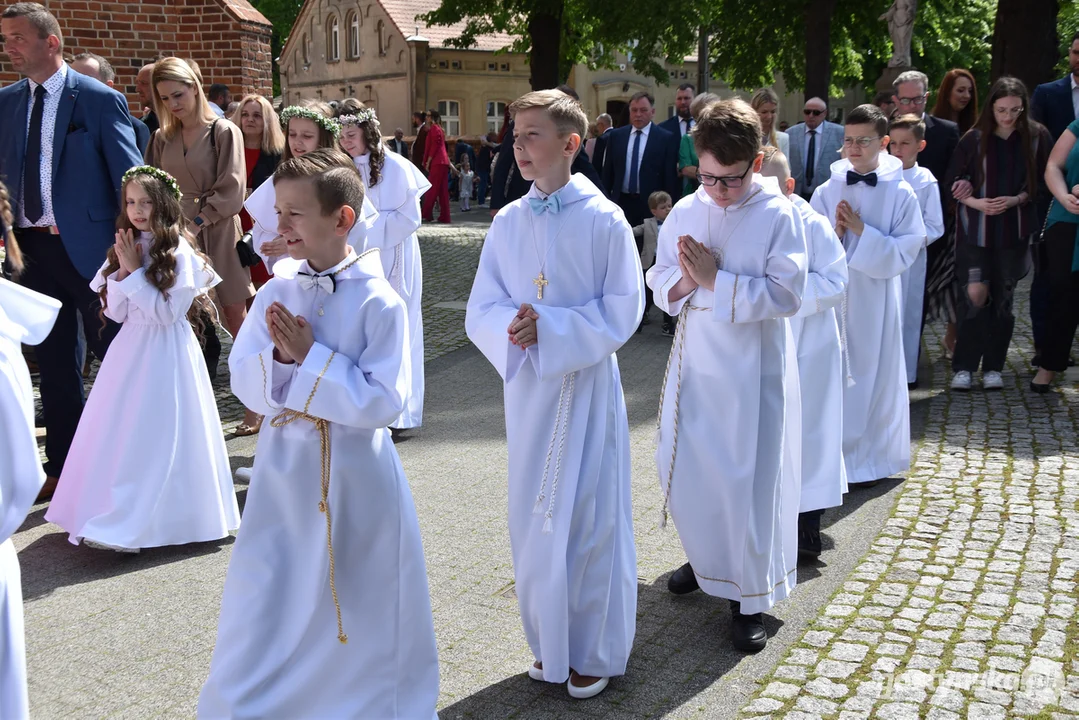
[[206, 156]]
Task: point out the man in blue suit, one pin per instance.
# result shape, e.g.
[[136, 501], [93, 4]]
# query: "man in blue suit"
[[641, 158], [65, 143], [94, 66]]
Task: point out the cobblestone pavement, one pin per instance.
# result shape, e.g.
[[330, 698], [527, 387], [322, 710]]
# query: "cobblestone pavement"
[[934, 596], [965, 605]]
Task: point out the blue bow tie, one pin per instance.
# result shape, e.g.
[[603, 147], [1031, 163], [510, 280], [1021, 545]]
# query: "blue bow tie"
[[854, 178], [552, 204]]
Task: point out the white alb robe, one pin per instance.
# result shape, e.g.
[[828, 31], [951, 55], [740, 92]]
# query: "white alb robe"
[[912, 281], [260, 206], [732, 393], [820, 364], [396, 197], [576, 585], [876, 411], [278, 653], [25, 317], [138, 476]]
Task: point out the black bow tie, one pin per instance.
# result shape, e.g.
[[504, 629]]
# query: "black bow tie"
[[854, 178]]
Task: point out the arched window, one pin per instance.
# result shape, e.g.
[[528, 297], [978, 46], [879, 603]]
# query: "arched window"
[[353, 35], [333, 40], [380, 29]]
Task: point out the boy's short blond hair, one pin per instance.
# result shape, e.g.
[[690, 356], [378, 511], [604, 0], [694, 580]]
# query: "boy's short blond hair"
[[658, 198], [564, 111], [336, 179], [910, 122], [775, 164]]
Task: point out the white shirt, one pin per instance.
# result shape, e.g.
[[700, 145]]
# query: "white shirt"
[[685, 125], [1075, 96], [216, 108], [54, 87], [629, 155]]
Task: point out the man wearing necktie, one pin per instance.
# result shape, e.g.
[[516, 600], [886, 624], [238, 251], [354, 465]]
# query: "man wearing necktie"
[[641, 158], [682, 121], [67, 145], [814, 146]]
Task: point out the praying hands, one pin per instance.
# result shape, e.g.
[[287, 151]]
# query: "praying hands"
[[128, 253], [292, 335], [697, 262], [847, 219], [522, 330]]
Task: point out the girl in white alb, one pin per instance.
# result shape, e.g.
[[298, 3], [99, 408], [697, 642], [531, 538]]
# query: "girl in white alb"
[[148, 465], [394, 187]]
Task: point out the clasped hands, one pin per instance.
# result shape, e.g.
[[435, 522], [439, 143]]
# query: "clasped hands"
[[523, 330], [963, 191], [291, 334], [697, 262], [847, 219], [128, 253]]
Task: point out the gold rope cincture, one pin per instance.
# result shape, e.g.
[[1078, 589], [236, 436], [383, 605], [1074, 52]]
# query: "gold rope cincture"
[[287, 417], [561, 428]]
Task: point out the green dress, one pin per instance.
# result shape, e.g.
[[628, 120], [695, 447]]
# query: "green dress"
[[687, 157]]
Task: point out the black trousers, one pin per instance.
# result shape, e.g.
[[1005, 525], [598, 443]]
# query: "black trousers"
[[632, 207], [986, 332], [1062, 286], [49, 271]]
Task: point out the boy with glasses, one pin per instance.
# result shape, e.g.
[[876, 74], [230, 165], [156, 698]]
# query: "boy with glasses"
[[731, 264], [876, 215]]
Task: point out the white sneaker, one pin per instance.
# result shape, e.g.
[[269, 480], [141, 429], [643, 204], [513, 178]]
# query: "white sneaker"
[[992, 381], [961, 381], [583, 693]]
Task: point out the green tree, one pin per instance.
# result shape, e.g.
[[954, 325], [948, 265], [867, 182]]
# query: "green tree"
[[282, 15]]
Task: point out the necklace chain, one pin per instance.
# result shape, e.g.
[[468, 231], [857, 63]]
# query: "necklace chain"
[[540, 282], [717, 252]]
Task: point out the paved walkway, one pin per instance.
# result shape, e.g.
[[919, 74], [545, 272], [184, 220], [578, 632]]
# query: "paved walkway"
[[962, 576]]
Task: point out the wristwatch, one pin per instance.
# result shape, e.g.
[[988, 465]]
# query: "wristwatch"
[[198, 220]]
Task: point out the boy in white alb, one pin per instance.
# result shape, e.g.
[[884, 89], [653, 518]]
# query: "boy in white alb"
[[820, 363], [731, 265], [876, 214], [908, 139], [557, 292], [326, 612]]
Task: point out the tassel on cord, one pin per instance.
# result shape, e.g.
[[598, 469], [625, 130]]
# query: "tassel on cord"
[[843, 339], [561, 428], [537, 509], [548, 525]]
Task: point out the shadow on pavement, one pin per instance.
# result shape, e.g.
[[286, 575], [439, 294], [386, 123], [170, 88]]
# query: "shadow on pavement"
[[682, 647]]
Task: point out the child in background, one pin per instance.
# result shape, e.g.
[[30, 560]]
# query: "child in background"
[[908, 139], [646, 235]]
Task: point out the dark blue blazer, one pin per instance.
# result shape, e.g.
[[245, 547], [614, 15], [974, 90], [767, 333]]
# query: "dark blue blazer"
[[1052, 106], [507, 184], [93, 146], [659, 163], [142, 134]]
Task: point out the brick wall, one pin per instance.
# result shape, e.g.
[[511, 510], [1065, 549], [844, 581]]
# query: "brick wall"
[[229, 39]]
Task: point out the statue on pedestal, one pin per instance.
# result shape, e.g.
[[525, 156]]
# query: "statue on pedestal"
[[900, 17]]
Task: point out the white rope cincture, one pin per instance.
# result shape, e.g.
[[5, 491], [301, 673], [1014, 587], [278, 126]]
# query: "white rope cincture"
[[843, 339], [561, 429]]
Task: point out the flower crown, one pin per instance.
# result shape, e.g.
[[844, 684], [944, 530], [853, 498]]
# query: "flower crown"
[[295, 111], [362, 116], [159, 174]]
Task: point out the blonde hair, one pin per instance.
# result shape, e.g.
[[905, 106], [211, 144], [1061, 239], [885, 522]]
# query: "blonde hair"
[[564, 111], [173, 69], [761, 97], [699, 103], [7, 233], [273, 140], [775, 164]]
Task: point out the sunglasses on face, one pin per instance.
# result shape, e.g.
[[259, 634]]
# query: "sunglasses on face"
[[730, 181], [815, 113]]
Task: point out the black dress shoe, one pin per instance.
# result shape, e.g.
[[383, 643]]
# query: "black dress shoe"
[[1039, 387], [912, 386], [747, 631], [683, 581], [39, 420], [809, 542]]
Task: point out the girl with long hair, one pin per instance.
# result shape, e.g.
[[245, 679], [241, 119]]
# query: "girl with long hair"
[[150, 467], [263, 144], [957, 99], [1004, 157], [394, 187]]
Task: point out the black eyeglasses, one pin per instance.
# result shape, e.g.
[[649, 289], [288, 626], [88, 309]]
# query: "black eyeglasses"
[[815, 113], [730, 181]]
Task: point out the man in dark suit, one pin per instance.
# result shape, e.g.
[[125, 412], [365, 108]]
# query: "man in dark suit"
[[641, 158], [605, 125], [65, 145], [100, 69], [419, 145], [682, 121], [507, 184], [1056, 106], [143, 82], [397, 144]]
